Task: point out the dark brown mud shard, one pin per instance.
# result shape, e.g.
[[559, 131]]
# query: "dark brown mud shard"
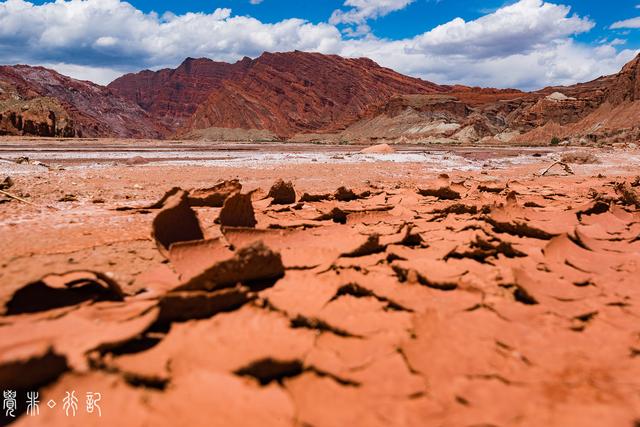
[[215, 196], [176, 222], [282, 193], [55, 291], [237, 211]]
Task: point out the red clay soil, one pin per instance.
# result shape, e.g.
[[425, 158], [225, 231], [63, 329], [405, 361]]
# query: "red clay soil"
[[502, 298]]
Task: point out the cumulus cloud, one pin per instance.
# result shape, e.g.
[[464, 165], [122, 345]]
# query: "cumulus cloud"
[[362, 10], [516, 29], [528, 44], [112, 33]]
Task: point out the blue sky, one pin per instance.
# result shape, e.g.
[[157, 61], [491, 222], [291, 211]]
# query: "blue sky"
[[525, 43]]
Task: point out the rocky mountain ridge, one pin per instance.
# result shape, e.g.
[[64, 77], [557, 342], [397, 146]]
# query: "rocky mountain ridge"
[[303, 96]]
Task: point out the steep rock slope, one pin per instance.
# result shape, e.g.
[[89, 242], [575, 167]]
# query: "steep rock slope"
[[297, 92], [173, 95], [41, 102]]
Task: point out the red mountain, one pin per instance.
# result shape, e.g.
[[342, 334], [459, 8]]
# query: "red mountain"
[[172, 96], [284, 93], [297, 92], [38, 101]]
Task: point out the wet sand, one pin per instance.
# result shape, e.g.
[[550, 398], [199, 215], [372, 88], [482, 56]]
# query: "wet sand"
[[489, 296]]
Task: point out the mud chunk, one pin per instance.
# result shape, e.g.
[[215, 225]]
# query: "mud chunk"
[[628, 194], [345, 194], [176, 222], [68, 198], [252, 263], [282, 193], [237, 211], [214, 196]]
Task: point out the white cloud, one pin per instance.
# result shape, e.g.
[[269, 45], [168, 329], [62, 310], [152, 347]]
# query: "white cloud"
[[515, 29], [255, 1], [362, 10], [627, 23], [112, 33], [528, 44]]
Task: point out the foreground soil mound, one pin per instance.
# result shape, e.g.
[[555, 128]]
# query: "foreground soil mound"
[[40, 102], [457, 300]]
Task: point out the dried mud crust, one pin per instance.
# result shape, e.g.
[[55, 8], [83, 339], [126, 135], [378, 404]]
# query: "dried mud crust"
[[388, 303]]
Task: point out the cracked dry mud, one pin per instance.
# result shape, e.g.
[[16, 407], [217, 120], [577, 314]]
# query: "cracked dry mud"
[[465, 300]]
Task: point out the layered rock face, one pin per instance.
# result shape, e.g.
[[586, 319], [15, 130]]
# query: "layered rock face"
[[172, 96], [296, 92], [40, 102]]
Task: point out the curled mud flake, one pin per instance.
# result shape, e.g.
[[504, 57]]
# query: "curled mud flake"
[[442, 193], [306, 197], [480, 249], [161, 202], [28, 366], [319, 325], [237, 211], [282, 193], [214, 196], [595, 207], [358, 291], [190, 258], [432, 273], [269, 370], [336, 215], [454, 209], [522, 222], [76, 333], [187, 305], [370, 246], [491, 188], [55, 291], [254, 264], [521, 295], [176, 222]]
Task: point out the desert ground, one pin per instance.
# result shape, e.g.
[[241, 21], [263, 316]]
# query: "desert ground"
[[309, 285]]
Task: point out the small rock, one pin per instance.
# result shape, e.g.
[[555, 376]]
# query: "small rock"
[[137, 160], [6, 183]]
